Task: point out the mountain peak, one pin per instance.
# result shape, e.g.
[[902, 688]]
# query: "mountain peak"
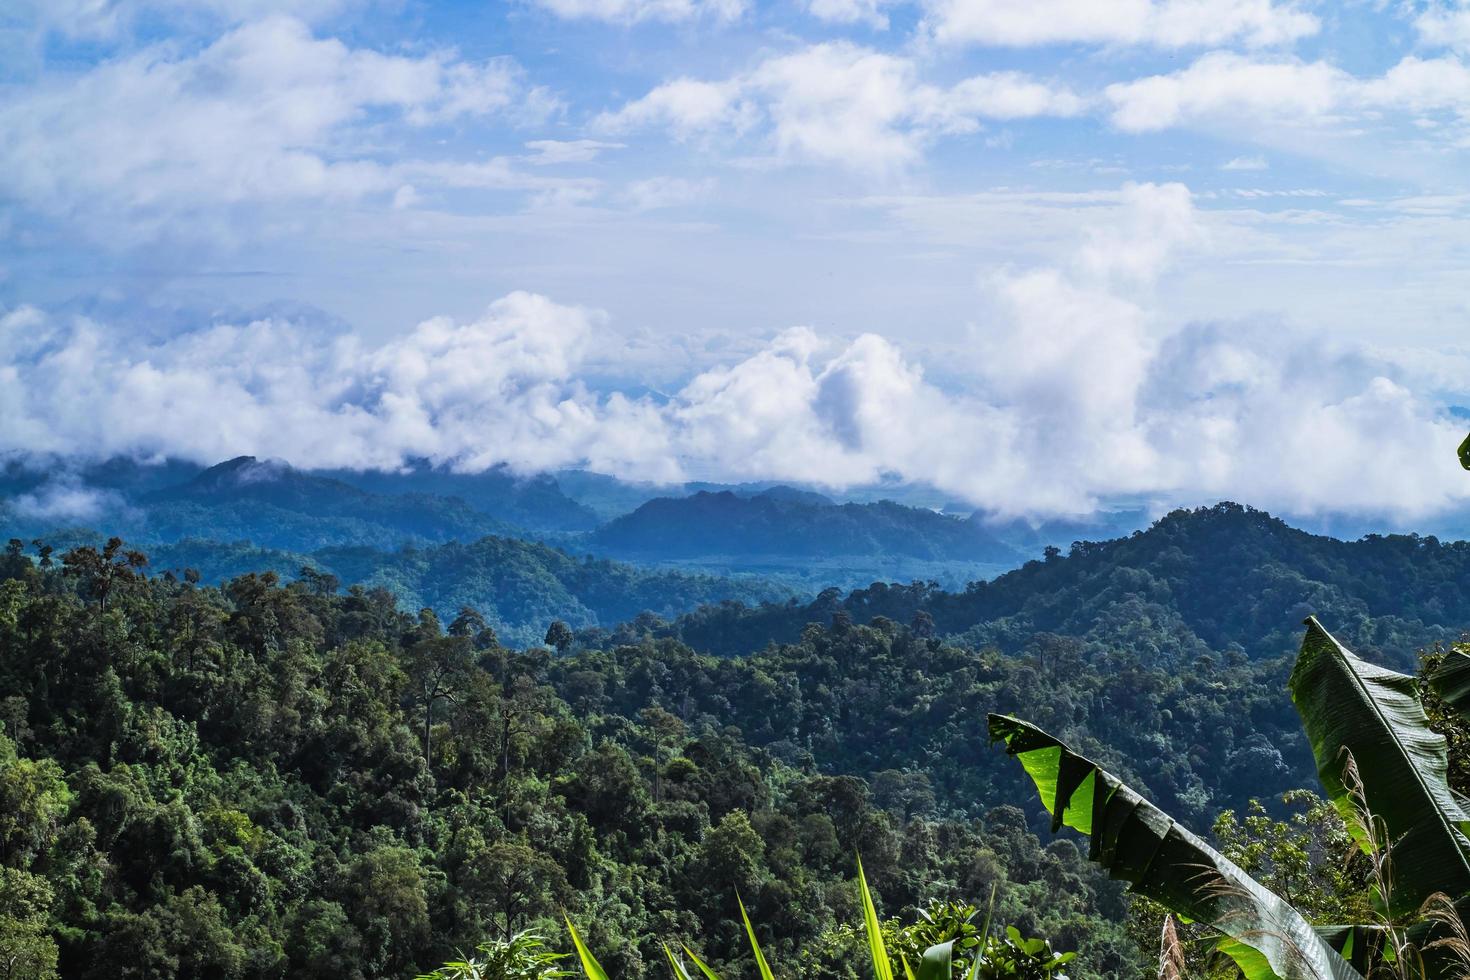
[[243, 470]]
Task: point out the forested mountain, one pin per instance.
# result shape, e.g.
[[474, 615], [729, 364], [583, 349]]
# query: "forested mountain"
[[520, 587], [805, 539], [265, 782], [795, 536], [275, 505], [536, 503], [790, 523], [1219, 578], [272, 504]]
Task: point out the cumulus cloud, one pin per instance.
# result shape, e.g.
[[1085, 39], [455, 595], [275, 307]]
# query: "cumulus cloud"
[[1445, 25], [840, 103], [1227, 85], [634, 11], [1157, 23], [686, 106], [1076, 392], [267, 113]]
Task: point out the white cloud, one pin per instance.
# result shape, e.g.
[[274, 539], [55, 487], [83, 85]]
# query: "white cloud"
[[869, 12], [1077, 391], [843, 104], [555, 152], [1256, 162], [1224, 85], [1159, 23], [686, 106], [634, 11], [63, 498], [666, 192], [1446, 26], [110, 19], [267, 113]]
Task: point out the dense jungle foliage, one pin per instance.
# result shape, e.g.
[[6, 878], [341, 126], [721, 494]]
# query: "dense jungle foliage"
[[520, 587], [268, 779]]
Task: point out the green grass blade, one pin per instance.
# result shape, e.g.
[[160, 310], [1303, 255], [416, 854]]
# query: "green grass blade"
[[882, 968], [590, 966], [984, 936], [678, 968], [709, 974], [760, 958]]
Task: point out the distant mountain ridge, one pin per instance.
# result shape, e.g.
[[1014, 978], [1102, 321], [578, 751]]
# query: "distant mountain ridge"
[[519, 586], [1216, 578], [790, 522], [792, 534], [536, 503]]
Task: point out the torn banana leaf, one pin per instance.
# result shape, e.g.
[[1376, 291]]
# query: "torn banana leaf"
[[1140, 844], [1351, 708]]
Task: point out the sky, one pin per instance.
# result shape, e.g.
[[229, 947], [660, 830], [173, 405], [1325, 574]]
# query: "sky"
[[1043, 255]]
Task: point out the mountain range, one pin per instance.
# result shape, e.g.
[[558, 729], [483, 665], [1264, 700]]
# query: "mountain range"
[[793, 535]]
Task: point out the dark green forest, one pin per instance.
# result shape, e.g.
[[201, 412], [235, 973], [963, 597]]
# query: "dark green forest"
[[266, 780], [272, 778]]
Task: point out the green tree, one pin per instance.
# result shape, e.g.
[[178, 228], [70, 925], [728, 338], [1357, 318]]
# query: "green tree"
[[559, 636]]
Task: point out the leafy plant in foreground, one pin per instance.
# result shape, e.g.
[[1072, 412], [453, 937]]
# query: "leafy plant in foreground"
[[1382, 767], [524, 956], [1005, 957]]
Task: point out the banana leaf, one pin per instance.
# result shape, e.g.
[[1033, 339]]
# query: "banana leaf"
[[1140, 844], [938, 961], [1451, 681], [1352, 708]]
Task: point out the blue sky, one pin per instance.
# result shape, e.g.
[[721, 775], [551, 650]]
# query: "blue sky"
[[1042, 254]]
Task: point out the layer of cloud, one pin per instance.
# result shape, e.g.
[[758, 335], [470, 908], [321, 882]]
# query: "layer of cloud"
[[840, 103], [1075, 392], [266, 114], [63, 498], [1159, 23]]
